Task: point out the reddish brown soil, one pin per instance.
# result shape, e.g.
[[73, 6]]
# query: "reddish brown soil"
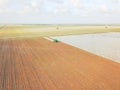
[[38, 64]]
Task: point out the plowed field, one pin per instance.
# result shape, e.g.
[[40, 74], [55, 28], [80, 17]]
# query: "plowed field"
[[39, 64]]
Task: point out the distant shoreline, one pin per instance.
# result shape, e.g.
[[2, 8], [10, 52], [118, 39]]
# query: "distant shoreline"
[[66, 24]]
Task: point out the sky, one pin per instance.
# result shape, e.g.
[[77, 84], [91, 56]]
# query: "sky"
[[59, 11]]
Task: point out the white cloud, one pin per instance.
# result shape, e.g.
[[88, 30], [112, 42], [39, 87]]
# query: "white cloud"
[[34, 4], [76, 3], [3, 1], [31, 6], [56, 1], [115, 1], [3, 4], [104, 9], [73, 8]]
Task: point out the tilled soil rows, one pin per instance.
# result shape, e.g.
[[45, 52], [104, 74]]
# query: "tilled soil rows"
[[39, 64]]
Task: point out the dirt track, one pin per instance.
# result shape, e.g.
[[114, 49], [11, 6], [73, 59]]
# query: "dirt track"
[[38, 64]]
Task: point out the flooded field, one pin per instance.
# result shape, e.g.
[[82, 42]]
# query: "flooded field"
[[104, 44]]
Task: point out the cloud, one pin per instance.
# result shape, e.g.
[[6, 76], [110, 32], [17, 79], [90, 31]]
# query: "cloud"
[[61, 10], [76, 3], [104, 8], [3, 3], [72, 8], [3, 6], [34, 4], [31, 6], [56, 1], [115, 1], [69, 7]]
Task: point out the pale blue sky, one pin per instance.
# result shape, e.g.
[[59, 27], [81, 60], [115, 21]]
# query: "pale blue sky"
[[60, 11]]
